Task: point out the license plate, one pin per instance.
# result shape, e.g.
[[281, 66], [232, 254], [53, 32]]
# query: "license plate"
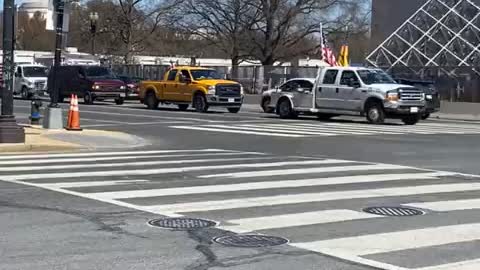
[[231, 100], [414, 109], [122, 95]]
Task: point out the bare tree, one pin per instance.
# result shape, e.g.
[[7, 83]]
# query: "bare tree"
[[223, 23]]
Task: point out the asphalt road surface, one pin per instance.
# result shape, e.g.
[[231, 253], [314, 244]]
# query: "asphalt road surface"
[[345, 194]]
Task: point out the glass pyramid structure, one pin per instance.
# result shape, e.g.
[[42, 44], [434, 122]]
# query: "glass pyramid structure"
[[442, 33]]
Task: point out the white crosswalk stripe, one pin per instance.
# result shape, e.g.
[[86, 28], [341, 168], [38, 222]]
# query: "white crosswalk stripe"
[[298, 129], [251, 192]]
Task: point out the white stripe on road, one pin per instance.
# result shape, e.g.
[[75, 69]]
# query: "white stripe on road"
[[137, 124], [123, 164], [146, 116], [364, 128], [162, 171], [129, 157], [319, 128], [465, 265], [269, 130], [293, 220], [238, 131], [444, 206], [395, 241], [91, 184], [100, 154], [309, 197], [305, 171], [264, 185]]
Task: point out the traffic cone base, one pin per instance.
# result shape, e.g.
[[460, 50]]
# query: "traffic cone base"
[[73, 122]]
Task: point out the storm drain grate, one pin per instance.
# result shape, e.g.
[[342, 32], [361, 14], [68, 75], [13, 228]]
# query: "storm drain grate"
[[182, 223], [393, 211], [250, 240]]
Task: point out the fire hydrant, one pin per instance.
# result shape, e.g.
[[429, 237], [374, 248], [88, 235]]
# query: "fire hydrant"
[[35, 107]]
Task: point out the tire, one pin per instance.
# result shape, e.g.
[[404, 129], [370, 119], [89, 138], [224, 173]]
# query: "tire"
[[411, 120], [200, 103], [151, 101], [233, 110], [265, 103], [375, 113], [426, 116], [88, 98], [285, 110], [182, 107], [119, 101], [24, 93], [324, 116]]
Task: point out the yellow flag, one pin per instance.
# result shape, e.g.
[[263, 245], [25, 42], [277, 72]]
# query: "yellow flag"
[[343, 57]]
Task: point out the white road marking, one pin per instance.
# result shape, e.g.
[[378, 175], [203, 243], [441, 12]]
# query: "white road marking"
[[264, 185], [92, 184], [146, 116], [444, 206], [162, 171], [305, 171], [293, 220], [128, 157], [309, 197], [123, 164], [100, 154], [395, 241], [317, 128], [261, 128], [237, 131], [137, 124]]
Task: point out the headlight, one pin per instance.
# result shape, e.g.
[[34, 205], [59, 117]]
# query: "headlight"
[[242, 92], [211, 90], [96, 87], [392, 96], [122, 87], [428, 97], [30, 83]]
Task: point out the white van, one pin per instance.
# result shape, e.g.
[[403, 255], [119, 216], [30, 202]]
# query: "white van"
[[30, 78]]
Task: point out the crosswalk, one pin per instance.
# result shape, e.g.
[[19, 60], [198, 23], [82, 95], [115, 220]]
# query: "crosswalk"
[[298, 129], [316, 203]]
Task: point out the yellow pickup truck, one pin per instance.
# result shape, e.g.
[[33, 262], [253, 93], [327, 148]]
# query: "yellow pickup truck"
[[196, 86]]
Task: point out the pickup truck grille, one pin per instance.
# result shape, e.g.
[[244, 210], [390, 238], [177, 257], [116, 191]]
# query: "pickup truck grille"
[[411, 94], [227, 90], [40, 85]]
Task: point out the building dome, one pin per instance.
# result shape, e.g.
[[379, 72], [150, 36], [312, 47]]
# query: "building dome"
[[33, 6]]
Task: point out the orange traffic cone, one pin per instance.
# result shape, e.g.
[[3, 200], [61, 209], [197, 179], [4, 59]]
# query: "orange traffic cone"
[[73, 123], [70, 111]]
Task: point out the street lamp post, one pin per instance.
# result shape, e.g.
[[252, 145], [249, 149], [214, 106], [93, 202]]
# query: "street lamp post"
[[10, 131], [93, 28]]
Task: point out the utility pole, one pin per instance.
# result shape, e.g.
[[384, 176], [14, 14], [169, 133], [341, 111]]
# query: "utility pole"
[[10, 131], [53, 114]]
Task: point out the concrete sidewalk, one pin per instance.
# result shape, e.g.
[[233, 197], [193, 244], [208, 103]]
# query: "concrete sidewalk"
[[38, 139]]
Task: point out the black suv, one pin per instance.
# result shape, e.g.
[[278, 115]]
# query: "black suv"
[[89, 82]]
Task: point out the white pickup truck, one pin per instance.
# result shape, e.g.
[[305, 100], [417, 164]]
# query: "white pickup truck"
[[349, 91]]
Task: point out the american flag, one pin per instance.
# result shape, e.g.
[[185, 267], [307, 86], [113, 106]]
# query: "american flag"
[[327, 53]]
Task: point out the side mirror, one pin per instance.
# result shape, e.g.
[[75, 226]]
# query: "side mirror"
[[300, 90], [184, 79], [354, 83]]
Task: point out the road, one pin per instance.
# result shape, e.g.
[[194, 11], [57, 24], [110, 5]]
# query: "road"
[[309, 182]]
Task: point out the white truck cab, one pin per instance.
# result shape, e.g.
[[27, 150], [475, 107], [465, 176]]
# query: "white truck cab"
[[350, 91], [30, 78]]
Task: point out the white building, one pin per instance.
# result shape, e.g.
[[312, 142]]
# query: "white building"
[[32, 6]]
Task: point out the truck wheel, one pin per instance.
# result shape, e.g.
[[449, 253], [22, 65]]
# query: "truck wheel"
[[119, 101], [426, 116], [151, 101], [182, 107], [285, 110], [24, 93], [88, 98], [265, 103], [411, 119], [375, 113], [233, 110], [200, 103]]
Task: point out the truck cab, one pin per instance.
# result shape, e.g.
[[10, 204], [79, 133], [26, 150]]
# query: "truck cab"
[[351, 91], [199, 87], [30, 79]]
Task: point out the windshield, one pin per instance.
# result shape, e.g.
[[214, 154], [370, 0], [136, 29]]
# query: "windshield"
[[205, 74], [99, 72], [35, 71], [371, 76]]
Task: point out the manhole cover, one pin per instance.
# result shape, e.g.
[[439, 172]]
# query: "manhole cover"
[[393, 211], [250, 240], [182, 223]]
